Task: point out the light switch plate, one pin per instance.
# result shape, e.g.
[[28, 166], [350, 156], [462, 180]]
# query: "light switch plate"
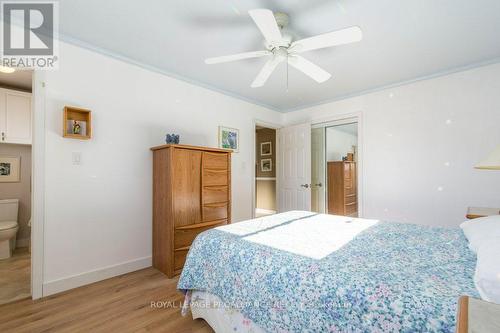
[[76, 157]]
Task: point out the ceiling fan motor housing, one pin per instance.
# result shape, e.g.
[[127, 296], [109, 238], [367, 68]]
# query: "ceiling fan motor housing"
[[283, 46], [281, 53], [282, 20]]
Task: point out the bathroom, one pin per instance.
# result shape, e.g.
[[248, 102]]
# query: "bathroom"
[[15, 184]]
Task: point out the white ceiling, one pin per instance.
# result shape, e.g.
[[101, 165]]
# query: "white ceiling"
[[403, 41]]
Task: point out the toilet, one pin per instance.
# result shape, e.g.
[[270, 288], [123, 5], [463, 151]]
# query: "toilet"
[[8, 227]]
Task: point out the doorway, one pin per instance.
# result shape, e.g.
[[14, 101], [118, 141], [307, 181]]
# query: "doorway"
[[16, 127], [334, 168], [265, 171]]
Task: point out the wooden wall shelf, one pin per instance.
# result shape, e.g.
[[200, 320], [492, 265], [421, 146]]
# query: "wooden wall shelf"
[[83, 117]]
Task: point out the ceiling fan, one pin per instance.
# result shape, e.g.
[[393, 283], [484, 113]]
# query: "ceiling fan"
[[281, 46]]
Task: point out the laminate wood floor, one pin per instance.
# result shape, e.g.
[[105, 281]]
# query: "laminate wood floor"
[[15, 276], [120, 304]]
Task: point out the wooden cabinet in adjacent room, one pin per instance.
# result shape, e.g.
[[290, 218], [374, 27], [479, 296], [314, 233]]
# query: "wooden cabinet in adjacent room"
[[191, 194], [342, 188], [15, 117]]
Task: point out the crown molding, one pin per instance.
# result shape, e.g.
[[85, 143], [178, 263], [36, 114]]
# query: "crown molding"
[[76, 42], [398, 84], [111, 54]]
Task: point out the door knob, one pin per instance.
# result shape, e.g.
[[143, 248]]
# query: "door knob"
[[318, 185], [305, 185]]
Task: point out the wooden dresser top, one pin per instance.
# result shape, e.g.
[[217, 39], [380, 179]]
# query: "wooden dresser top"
[[219, 150]]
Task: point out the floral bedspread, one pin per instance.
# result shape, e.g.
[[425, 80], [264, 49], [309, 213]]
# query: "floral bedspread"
[[390, 277]]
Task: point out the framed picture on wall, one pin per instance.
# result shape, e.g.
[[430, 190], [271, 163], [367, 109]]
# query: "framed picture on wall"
[[229, 138], [266, 149], [266, 165], [10, 169]]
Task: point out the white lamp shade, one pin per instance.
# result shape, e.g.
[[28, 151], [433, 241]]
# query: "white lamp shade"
[[492, 162]]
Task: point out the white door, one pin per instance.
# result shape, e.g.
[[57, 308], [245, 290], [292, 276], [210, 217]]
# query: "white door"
[[318, 170], [294, 168], [17, 118]]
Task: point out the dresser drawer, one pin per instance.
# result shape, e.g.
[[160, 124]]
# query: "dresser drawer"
[[215, 160], [351, 209], [216, 211], [348, 170], [349, 188], [350, 199], [214, 194], [213, 177], [184, 237], [180, 258]]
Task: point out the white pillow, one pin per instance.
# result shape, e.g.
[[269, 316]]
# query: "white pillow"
[[480, 230], [487, 276]]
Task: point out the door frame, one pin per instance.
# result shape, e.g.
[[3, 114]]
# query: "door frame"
[[257, 122], [335, 120], [37, 183], [325, 182]]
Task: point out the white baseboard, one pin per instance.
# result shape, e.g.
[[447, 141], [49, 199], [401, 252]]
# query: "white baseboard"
[[75, 281]]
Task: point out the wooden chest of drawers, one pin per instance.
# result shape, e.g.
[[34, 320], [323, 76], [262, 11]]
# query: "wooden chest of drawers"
[[342, 189], [191, 194]]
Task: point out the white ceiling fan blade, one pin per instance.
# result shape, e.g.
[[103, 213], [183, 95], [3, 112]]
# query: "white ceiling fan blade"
[[239, 56], [265, 21], [266, 72], [315, 72], [334, 38]]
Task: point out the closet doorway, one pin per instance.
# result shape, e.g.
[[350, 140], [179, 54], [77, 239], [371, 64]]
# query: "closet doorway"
[[335, 168], [16, 174], [265, 171]]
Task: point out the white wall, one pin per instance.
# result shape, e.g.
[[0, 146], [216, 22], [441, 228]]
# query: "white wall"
[[420, 143], [98, 214], [339, 143]]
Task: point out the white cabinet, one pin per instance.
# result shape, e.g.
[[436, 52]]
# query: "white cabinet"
[[15, 117]]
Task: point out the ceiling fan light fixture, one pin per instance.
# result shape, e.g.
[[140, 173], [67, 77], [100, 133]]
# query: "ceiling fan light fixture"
[[282, 19], [7, 70], [282, 46]]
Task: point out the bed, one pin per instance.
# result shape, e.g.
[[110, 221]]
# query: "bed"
[[306, 272]]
